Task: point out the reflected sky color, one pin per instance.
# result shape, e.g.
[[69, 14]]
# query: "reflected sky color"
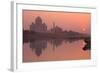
[[65, 51]]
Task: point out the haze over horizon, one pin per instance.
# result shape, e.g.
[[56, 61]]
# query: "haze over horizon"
[[75, 21]]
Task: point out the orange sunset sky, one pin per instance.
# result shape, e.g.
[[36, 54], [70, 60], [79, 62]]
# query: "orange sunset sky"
[[75, 21]]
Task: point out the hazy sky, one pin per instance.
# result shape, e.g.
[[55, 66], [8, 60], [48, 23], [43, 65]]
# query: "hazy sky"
[[80, 22]]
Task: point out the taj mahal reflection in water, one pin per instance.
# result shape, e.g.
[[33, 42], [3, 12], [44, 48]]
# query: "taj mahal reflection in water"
[[40, 45]]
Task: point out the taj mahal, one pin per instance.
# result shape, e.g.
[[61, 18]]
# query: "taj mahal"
[[40, 26]]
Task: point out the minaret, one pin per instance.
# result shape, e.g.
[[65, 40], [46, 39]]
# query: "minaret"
[[54, 26]]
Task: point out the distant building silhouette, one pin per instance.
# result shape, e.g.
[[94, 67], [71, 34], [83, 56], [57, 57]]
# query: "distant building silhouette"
[[38, 26], [55, 29]]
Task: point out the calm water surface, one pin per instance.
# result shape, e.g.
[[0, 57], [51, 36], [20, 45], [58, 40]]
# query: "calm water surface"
[[55, 50]]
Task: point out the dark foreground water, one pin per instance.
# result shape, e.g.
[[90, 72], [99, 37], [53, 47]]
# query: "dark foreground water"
[[55, 50]]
